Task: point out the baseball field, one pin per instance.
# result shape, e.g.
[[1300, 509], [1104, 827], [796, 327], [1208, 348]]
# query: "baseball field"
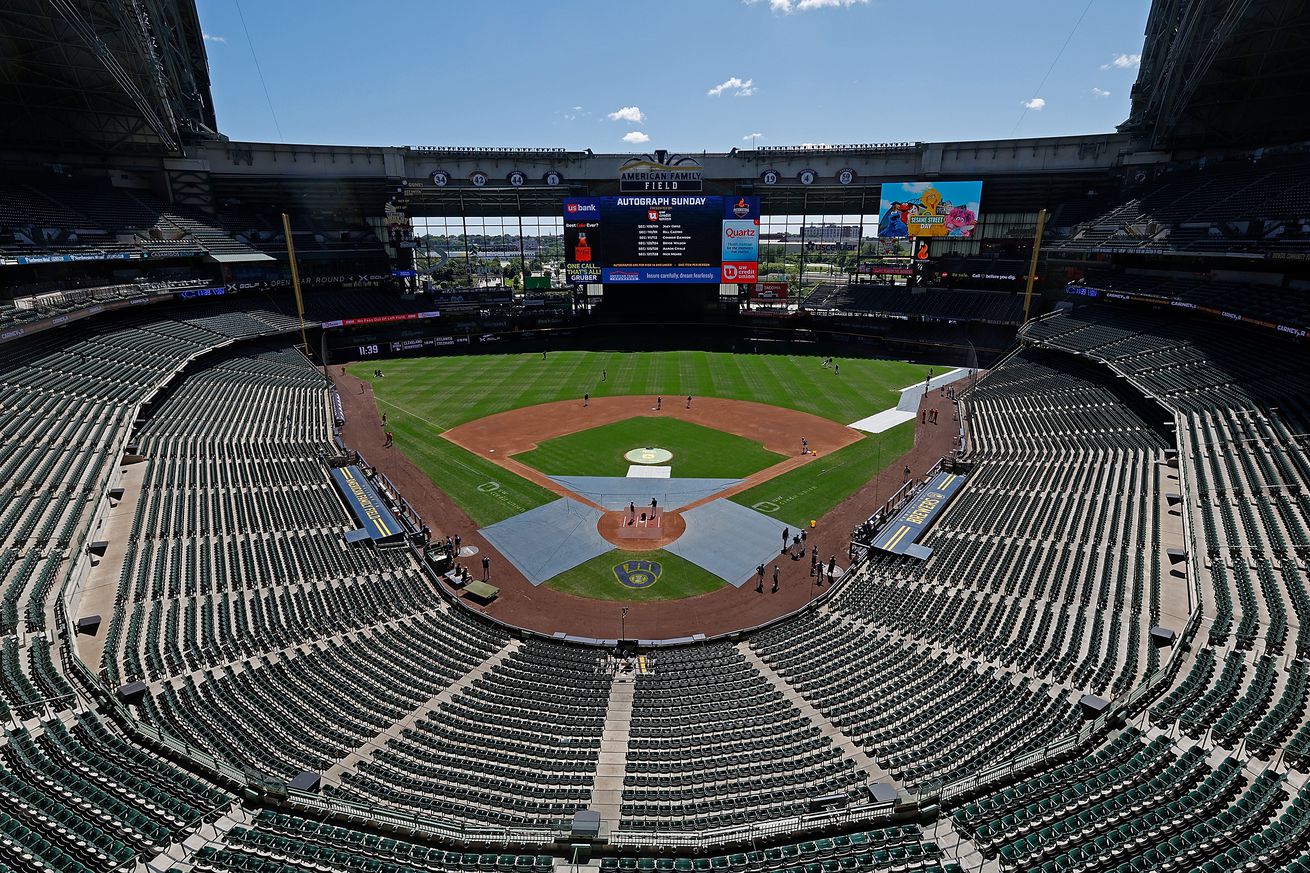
[[423, 398]]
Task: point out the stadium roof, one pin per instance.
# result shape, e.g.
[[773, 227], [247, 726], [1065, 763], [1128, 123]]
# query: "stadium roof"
[[1219, 73], [87, 75]]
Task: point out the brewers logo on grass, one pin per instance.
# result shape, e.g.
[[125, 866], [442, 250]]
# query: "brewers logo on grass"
[[637, 574]]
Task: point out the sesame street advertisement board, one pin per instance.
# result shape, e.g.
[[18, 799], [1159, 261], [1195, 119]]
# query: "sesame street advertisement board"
[[948, 209]]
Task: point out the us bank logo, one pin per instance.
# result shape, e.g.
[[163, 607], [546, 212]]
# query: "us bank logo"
[[574, 208]]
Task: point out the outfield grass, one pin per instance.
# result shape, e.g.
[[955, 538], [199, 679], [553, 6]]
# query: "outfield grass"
[[810, 491], [424, 396], [447, 391], [596, 579], [698, 452]]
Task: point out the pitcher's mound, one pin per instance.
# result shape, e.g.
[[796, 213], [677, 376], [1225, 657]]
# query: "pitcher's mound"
[[649, 455]]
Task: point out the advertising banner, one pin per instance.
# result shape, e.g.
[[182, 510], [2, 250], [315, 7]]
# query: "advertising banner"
[[884, 270], [660, 275], [740, 271], [948, 209], [379, 319], [769, 291], [741, 240]]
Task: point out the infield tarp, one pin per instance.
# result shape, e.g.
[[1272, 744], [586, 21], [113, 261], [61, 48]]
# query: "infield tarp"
[[901, 535], [907, 408], [616, 492], [372, 513], [548, 540], [730, 540]]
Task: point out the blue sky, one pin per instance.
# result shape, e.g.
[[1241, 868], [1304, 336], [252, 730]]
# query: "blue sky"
[[686, 75]]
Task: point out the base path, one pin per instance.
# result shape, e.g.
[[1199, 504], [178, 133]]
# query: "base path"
[[727, 609]]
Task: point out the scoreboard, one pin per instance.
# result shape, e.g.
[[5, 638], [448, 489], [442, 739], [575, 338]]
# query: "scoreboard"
[[652, 239]]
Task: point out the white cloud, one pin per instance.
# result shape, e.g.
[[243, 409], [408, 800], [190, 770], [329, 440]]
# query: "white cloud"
[[636, 137], [1123, 62], [750, 136], [789, 6], [1037, 104], [1100, 92], [209, 37], [917, 187], [628, 113], [737, 87]]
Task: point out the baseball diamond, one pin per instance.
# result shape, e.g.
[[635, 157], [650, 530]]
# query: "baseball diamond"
[[567, 449]]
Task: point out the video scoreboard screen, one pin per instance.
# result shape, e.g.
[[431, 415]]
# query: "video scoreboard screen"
[[927, 209], [655, 239]]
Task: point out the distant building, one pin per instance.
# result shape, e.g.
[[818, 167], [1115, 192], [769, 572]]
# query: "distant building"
[[846, 234]]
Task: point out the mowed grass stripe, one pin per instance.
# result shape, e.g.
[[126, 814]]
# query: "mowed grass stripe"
[[596, 579], [698, 452], [819, 386], [455, 389], [812, 490], [762, 379]]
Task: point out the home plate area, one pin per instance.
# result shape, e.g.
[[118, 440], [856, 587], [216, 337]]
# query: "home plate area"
[[722, 537], [643, 524]]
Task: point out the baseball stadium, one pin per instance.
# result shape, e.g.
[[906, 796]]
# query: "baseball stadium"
[[902, 506]]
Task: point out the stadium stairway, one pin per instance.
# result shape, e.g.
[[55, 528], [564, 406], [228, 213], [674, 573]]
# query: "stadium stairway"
[[844, 744], [612, 762], [381, 740]]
